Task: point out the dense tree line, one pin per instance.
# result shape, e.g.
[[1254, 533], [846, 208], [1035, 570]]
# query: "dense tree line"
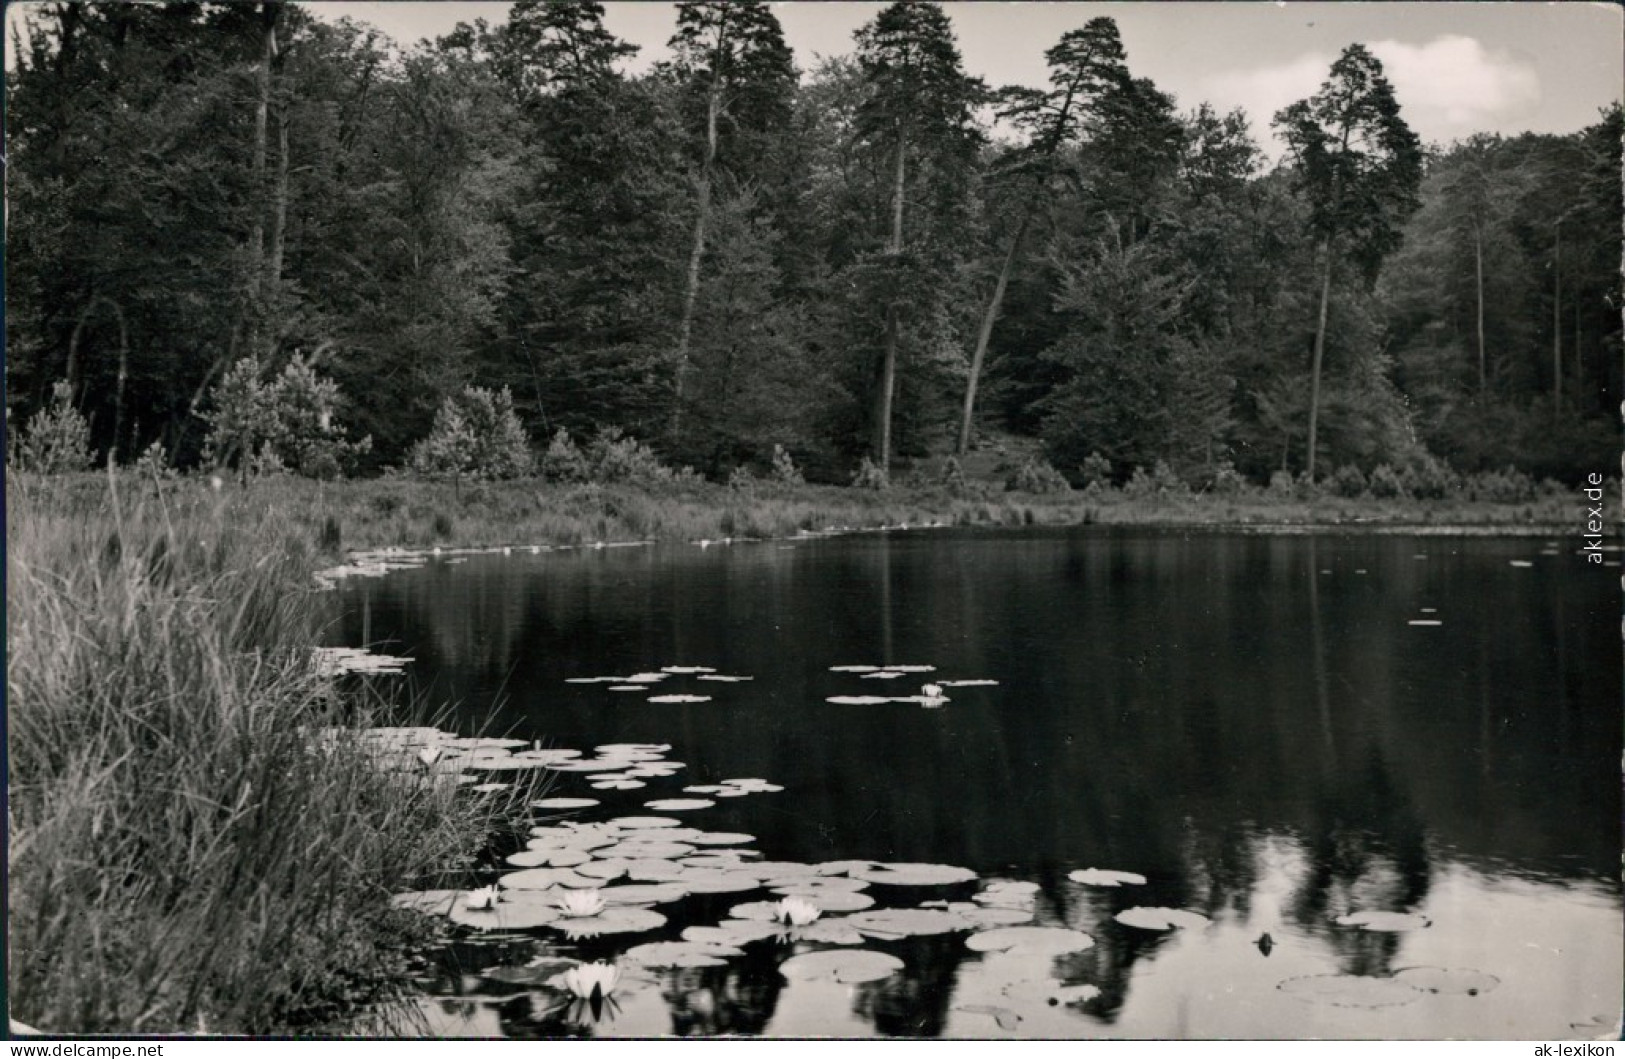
[[880, 257]]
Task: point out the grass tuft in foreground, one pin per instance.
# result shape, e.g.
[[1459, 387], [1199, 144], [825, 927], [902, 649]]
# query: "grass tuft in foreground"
[[192, 848]]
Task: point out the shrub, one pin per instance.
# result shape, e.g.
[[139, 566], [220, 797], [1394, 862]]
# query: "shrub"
[[1160, 481], [1037, 476], [1095, 468], [1425, 477], [613, 457], [785, 471], [741, 480], [563, 461], [1508, 486], [953, 476], [57, 439], [153, 464], [285, 423], [476, 434], [1385, 483], [869, 475], [1347, 481], [1227, 481]]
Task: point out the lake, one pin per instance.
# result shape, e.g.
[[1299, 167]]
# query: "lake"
[[1417, 735]]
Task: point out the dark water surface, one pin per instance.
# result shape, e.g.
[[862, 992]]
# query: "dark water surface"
[[1248, 721]]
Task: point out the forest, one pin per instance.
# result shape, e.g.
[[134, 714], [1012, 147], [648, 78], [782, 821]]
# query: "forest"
[[732, 258]]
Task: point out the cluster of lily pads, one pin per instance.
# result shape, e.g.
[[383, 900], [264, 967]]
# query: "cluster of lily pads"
[[336, 661], [932, 695], [644, 682], [581, 881]]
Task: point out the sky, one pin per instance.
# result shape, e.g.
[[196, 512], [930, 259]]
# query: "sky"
[[1457, 68]]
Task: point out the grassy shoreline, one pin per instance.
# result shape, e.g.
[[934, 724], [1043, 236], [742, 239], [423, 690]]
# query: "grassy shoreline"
[[420, 514], [185, 858]]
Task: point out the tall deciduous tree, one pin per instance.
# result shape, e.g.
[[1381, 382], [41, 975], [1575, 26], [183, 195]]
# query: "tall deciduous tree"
[[1360, 166]]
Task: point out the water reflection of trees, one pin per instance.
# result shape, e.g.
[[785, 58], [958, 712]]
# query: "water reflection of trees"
[[915, 1001], [739, 998]]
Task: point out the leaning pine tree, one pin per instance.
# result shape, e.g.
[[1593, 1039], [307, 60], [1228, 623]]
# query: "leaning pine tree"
[[1359, 167]]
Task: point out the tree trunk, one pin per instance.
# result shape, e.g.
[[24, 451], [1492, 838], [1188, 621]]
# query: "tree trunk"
[[691, 288], [279, 227], [1478, 266], [269, 14], [985, 334], [1320, 349], [73, 369], [1557, 320], [888, 365]]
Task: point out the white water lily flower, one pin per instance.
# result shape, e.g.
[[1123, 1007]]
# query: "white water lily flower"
[[581, 903], [932, 691], [796, 911], [484, 898], [587, 980]]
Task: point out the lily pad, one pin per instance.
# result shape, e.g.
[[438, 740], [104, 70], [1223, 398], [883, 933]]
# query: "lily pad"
[[552, 857], [675, 805], [430, 902], [843, 867], [604, 870], [853, 669], [622, 824], [831, 932], [648, 850], [1424, 621], [846, 966], [734, 932], [515, 911], [830, 900], [782, 869], [719, 881], [1350, 990], [660, 954], [682, 670], [816, 884], [720, 838], [544, 879], [724, 678], [1106, 877], [534, 858], [649, 870], [914, 874], [644, 893], [907, 922], [617, 785], [564, 803], [1447, 981], [1156, 918], [857, 700], [1030, 941], [884, 674], [679, 698], [1384, 921], [967, 683], [616, 919], [633, 748]]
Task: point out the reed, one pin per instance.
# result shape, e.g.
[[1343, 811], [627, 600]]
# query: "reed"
[[198, 839]]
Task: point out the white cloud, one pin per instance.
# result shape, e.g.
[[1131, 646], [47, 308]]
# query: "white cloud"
[[1456, 84], [1447, 88]]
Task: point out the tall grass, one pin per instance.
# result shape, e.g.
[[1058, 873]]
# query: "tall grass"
[[191, 846]]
